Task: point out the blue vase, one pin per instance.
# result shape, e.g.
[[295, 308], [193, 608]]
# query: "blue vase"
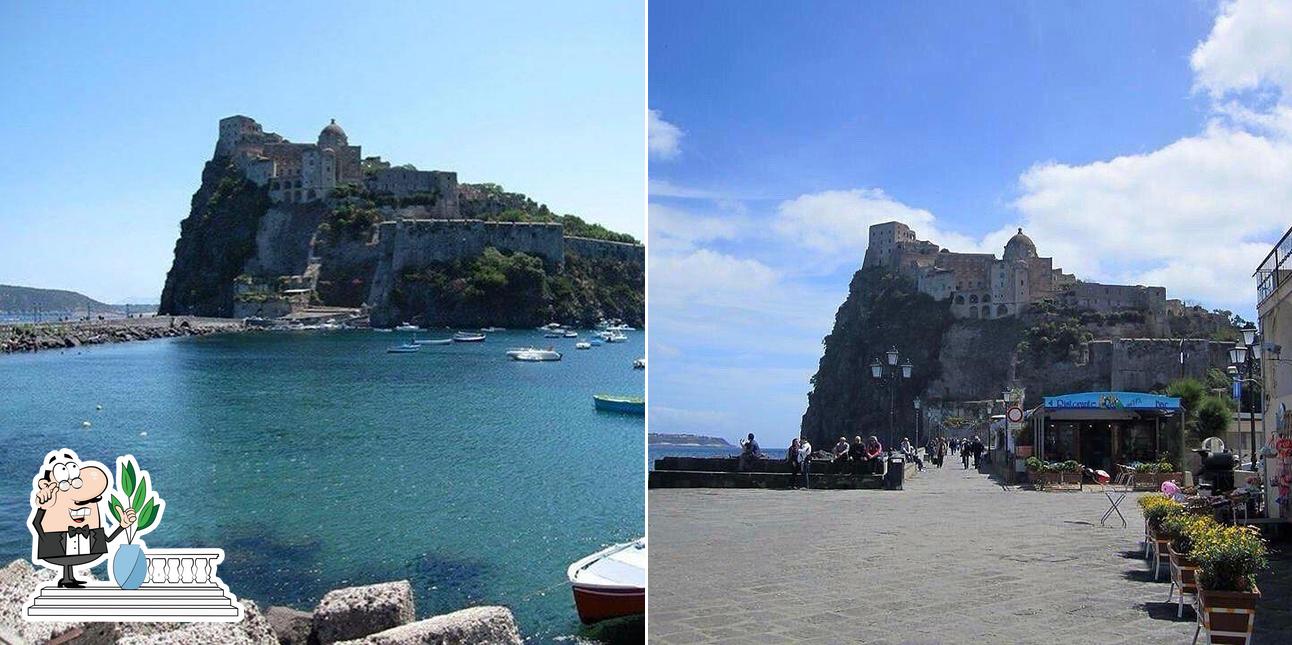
[[129, 566]]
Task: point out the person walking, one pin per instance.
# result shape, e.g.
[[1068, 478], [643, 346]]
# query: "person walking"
[[977, 447], [964, 454], [805, 461]]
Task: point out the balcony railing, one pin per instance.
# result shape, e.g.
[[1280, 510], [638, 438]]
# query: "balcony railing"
[[1272, 272]]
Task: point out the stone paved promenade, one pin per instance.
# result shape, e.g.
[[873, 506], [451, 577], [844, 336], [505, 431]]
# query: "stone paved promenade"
[[951, 559]]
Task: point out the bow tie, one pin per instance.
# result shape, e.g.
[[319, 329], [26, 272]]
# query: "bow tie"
[[83, 531]]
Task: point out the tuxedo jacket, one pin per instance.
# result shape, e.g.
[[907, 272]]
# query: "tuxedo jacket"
[[53, 544]]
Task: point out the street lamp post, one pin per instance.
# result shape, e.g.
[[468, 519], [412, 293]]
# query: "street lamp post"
[[919, 417], [1244, 356], [891, 373]]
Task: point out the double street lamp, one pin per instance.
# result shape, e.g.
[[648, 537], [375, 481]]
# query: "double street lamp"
[[1243, 357], [891, 373]]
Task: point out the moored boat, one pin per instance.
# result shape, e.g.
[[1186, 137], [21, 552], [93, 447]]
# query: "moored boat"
[[624, 404], [468, 337], [408, 327], [406, 348], [616, 337], [583, 344], [569, 333], [639, 364], [433, 341], [610, 583], [536, 355]]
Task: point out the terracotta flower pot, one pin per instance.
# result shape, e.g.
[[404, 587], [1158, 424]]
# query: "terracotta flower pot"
[[1228, 616]]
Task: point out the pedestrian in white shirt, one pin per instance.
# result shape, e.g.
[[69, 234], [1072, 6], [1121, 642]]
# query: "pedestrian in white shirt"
[[805, 454]]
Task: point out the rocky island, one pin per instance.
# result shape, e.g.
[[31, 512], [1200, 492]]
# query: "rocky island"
[[278, 227]]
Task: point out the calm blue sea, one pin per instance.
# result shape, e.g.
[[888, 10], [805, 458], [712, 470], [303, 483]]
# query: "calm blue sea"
[[655, 451], [317, 460]]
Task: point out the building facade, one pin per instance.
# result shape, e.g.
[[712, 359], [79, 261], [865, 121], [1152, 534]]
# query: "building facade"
[[980, 285]]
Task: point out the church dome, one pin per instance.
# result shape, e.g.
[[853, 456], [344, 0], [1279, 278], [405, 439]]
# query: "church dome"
[[332, 133], [1019, 247]]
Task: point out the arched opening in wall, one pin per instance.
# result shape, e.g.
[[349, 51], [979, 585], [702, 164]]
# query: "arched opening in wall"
[[1002, 310], [296, 196], [986, 311], [973, 312], [973, 299], [960, 300], [298, 184]]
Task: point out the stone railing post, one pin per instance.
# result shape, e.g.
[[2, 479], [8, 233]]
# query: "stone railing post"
[[182, 567]]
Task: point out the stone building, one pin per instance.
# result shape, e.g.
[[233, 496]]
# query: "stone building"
[[304, 172], [980, 285]]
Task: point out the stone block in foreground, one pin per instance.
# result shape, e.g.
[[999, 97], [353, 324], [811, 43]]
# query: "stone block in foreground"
[[291, 626], [355, 612], [18, 581], [473, 625], [253, 629]]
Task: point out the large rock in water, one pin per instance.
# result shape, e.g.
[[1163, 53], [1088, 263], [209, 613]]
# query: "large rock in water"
[[18, 581], [473, 625], [252, 630], [291, 626], [355, 612]]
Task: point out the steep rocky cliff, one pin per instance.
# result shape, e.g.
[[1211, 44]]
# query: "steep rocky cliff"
[[239, 255], [1048, 350], [215, 242]]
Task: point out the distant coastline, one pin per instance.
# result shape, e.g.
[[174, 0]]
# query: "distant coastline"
[[665, 439], [31, 337]]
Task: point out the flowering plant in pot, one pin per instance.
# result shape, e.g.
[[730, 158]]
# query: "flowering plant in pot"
[[129, 565], [1228, 558], [1156, 507]]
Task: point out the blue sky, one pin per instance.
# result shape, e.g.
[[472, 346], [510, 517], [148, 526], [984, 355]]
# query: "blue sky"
[[1140, 143], [109, 112]]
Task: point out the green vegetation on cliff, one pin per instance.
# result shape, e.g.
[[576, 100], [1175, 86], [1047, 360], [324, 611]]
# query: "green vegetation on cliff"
[[516, 290], [215, 241], [490, 202]]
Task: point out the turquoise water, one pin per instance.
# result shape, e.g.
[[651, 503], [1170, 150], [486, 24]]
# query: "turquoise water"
[[317, 460]]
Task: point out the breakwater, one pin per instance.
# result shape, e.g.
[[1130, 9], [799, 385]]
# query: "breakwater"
[[64, 335]]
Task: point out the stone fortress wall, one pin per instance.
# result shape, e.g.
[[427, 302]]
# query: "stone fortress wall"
[[605, 250], [980, 285]]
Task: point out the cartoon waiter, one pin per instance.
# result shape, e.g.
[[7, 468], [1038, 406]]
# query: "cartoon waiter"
[[67, 529]]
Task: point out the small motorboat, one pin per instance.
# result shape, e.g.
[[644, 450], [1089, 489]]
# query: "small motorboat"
[[384, 330], [620, 327], [489, 330], [406, 348], [433, 341], [597, 342], [536, 355], [622, 404], [583, 344], [571, 334], [468, 337], [554, 333], [610, 583], [639, 364], [408, 327], [616, 337]]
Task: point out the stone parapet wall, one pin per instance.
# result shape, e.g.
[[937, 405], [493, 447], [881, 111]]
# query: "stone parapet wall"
[[603, 249]]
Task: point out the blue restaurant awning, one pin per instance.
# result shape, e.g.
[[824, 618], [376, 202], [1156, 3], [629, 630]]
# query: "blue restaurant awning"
[[1112, 401]]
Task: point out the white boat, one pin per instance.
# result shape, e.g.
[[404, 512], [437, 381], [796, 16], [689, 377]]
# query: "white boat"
[[610, 583], [513, 351], [537, 355], [583, 344], [407, 348], [488, 330], [468, 337], [554, 333], [620, 327], [384, 330], [639, 364], [616, 337], [571, 334], [408, 327], [433, 341]]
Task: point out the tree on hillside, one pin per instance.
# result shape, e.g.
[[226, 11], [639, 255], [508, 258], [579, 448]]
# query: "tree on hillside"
[[1214, 415]]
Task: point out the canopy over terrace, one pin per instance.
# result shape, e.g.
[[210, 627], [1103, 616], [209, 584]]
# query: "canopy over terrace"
[[1102, 429]]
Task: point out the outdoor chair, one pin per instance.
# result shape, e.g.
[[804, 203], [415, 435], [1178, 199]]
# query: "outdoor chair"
[[1125, 478], [1102, 478]]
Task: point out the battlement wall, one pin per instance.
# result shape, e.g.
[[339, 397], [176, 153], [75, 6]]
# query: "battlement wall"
[[605, 250]]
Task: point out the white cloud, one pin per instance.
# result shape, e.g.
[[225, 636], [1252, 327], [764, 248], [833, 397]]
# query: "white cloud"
[[663, 138], [673, 230], [1249, 48], [1189, 216], [716, 278]]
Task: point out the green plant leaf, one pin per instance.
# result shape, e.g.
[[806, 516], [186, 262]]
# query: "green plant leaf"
[[128, 479], [141, 494], [115, 507], [145, 518], [151, 511]]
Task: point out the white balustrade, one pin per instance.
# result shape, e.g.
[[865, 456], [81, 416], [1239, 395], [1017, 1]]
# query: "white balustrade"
[[182, 566]]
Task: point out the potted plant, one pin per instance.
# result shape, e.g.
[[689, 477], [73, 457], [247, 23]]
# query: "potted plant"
[[1228, 558], [129, 564], [1180, 529], [1155, 508]]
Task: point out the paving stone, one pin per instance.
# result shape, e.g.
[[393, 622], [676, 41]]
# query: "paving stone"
[[950, 559]]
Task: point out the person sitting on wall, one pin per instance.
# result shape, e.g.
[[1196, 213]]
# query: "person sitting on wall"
[[873, 453], [911, 454], [857, 453], [749, 451], [841, 450]]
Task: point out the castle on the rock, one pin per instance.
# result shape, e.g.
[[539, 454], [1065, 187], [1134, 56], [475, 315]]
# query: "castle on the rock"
[[304, 172], [980, 285]]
